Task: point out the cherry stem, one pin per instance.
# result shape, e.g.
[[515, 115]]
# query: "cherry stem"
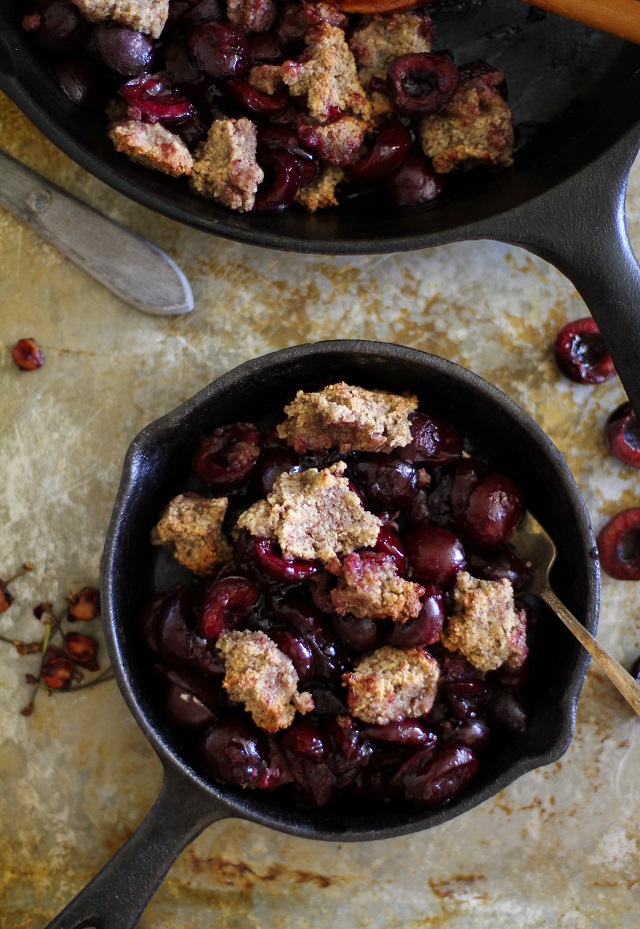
[[27, 566]]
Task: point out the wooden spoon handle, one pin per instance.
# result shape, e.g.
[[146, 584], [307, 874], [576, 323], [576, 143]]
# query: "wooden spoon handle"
[[621, 679], [619, 17]]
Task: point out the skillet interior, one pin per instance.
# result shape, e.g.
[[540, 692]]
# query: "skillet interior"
[[574, 91], [159, 465]]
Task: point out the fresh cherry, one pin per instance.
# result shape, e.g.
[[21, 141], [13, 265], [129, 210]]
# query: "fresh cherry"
[[622, 435], [27, 354], [581, 354], [619, 545], [435, 555]]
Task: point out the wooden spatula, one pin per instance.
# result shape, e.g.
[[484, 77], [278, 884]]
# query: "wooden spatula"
[[619, 17]]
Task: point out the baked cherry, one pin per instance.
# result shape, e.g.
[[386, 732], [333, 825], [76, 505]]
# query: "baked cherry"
[[474, 733], [225, 603], [435, 555], [27, 354], [434, 441], [430, 779], [227, 457], [184, 709], [496, 564], [81, 83], [581, 354], [151, 98], [123, 51], [388, 483], [388, 543], [421, 83], [236, 751], [220, 49], [57, 26], [360, 634], [402, 732], [622, 435], [389, 151], [493, 511], [468, 474], [298, 650], [255, 102], [414, 182], [283, 179], [426, 627], [619, 545]]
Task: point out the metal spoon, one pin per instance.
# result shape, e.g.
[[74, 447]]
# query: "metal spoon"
[[134, 269], [535, 547]]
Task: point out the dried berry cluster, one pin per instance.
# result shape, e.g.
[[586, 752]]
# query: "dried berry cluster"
[[582, 356], [65, 654]]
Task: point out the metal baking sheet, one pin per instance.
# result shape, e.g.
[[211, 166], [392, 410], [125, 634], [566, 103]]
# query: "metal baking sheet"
[[560, 847]]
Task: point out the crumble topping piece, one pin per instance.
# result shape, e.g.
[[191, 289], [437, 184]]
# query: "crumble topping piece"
[[392, 683], [313, 515], [226, 168], [384, 38], [264, 679], [475, 126], [338, 141], [349, 418], [191, 529], [266, 78], [326, 75], [370, 588], [252, 15], [321, 192], [152, 145], [298, 18], [147, 16], [485, 627]]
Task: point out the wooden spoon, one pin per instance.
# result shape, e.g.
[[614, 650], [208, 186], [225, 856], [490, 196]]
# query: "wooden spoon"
[[619, 17]]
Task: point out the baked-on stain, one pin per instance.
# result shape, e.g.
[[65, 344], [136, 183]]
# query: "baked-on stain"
[[243, 876]]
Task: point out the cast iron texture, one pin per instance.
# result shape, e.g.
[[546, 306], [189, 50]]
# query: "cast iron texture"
[[156, 466], [575, 93]]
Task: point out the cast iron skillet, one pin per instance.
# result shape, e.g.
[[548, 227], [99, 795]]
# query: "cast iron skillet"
[[158, 461], [575, 94]]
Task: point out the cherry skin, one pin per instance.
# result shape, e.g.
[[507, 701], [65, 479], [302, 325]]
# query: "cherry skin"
[[619, 545], [435, 555], [581, 354], [622, 435]]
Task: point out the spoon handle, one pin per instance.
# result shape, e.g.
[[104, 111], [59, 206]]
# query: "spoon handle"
[[134, 269], [619, 17], [629, 689]]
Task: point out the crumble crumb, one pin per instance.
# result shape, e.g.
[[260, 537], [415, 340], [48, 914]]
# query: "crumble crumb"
[[326, 75], [226, 168], [370, 588], [384, 38], [152, 146], [191, 529], [475, 127], [321, 192], [313, 515], [299, 17], [264, 679], [485, 626], [252, 15], [338, 142], [147, 16], [265, 78], [349, 418], [391, 684]]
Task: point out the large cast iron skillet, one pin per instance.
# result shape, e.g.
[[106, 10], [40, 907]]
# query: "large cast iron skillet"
[[156, 466], [575, 94]]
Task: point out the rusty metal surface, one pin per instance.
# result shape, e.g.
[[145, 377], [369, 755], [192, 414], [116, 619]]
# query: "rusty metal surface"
[[560, 847]]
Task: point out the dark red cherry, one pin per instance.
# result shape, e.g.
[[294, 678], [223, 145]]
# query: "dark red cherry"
[[421, 83], [493, 511], [426, 627], [388, 483], [430, 779], [329, 655], [622, 435], [82, 84], [435, 555], [226, 458], [274, 462], [123, 51], [434, 441], [57, 26], [359, 634], [388, 543], [474, 733], [283, 179], [619, 545], [150, 98], [202, 686], [495, 564], [298, 650], [254, 102], [468, 474], [225, 603], [220, 50], [415, 182], [389, 151], [172, 631], [266, 47], [581, 354], [262, 561], [402, 732], [236, 751], [185, 709], [204, 12], [149, 620], [304, 740]]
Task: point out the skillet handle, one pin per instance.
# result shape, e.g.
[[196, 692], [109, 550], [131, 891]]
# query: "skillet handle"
[[119, 893], [580, 227]]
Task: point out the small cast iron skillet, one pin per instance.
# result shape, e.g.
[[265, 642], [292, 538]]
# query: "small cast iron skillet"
[[575, 94], [156, 465]]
